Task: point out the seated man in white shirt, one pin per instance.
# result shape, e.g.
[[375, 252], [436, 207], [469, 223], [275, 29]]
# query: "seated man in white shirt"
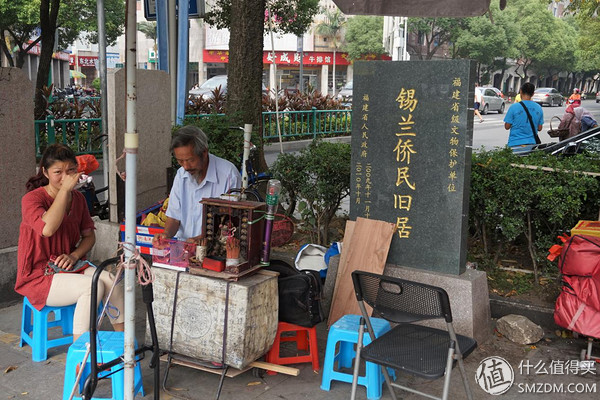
[[202, 175]]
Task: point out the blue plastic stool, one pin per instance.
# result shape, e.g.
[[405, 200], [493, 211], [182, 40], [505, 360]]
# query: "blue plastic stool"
[[109, 347], [345, 331], [35, 325]]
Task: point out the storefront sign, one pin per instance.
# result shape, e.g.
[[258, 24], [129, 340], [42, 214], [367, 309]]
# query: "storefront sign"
[[84, 61], [284, 57], [37, 50]]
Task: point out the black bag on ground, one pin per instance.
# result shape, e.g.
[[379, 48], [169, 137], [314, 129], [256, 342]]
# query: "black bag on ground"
[[299, 294]]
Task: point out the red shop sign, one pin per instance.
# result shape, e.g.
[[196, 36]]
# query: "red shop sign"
[[284, 57]]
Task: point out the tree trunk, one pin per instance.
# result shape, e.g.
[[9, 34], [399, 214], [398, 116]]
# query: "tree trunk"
[[245, 69], [48, 17], [5, 50], [23, 50]]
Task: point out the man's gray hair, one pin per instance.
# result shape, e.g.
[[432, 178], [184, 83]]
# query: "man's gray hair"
[[190, 135]]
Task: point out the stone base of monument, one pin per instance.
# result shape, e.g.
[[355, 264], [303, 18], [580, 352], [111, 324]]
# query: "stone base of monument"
[[469, 298]]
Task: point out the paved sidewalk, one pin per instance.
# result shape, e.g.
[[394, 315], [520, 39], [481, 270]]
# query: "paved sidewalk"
[[21, 378]]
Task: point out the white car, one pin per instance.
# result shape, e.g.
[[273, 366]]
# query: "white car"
[[492, 100], [345, 95]]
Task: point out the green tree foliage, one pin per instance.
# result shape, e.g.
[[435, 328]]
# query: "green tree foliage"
[[318, 177], [291, 16], [588, 43], [71, 19], [364, 37], [433, 34], [149, 30], [489, 43], [560, 54], [539, 32], [18, 21], [587, 8]]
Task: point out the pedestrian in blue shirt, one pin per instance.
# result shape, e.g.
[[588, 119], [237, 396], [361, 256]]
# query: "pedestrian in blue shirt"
[[524, 119]]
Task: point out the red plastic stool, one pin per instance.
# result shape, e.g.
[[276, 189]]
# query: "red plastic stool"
[[305, 338]]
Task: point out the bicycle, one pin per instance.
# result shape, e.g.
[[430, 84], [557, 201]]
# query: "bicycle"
[[257, 181]]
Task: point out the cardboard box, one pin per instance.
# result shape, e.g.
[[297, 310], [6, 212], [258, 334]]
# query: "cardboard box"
[[589, 228]]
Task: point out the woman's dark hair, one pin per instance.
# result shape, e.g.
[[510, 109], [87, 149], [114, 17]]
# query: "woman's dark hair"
[[53, 153]]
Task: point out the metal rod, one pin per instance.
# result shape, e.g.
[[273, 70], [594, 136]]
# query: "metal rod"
[[103, 86], [162, 29], [173, 57], [131, 149], [182, 58]]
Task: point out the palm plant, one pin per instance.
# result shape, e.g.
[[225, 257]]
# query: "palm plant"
[[331, 27], [149, 30]]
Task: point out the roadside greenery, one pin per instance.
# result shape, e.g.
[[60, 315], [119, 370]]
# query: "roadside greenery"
[[363, 37], [225, 140], [512, 204], [316, 179]]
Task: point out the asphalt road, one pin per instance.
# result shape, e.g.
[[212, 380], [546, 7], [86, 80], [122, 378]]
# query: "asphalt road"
[[491, 132]]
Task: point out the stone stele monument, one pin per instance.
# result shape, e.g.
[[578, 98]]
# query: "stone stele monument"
[[411, 158]]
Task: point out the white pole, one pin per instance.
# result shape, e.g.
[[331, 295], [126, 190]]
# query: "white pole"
[[247, 138], [404, 50], [103, 86], [276, 87], [131, 149]]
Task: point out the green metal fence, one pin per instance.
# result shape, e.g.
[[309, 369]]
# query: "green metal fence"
[[82, 135], [307, 123]]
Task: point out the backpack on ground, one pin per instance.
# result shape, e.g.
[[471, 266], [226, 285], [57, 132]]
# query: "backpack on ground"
[[299, 294]]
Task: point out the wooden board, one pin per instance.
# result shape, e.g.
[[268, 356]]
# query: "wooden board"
[[178, 359], [365, 248]]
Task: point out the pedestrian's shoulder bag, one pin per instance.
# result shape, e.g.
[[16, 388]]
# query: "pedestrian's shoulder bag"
[[535, 135]]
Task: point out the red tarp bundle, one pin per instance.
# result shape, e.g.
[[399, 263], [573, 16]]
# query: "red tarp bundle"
[[578, 305]]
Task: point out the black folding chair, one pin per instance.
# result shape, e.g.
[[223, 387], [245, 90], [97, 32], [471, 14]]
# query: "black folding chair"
[[415, 349]]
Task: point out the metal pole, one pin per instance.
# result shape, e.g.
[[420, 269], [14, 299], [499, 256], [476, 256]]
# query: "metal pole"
[[103, 86], [173, 57], [162, 26], [301, 51], [131, 149], [182, 58]]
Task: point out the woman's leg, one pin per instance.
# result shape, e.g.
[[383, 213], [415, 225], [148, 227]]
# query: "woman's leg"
[[68, 289], [115, 309]]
